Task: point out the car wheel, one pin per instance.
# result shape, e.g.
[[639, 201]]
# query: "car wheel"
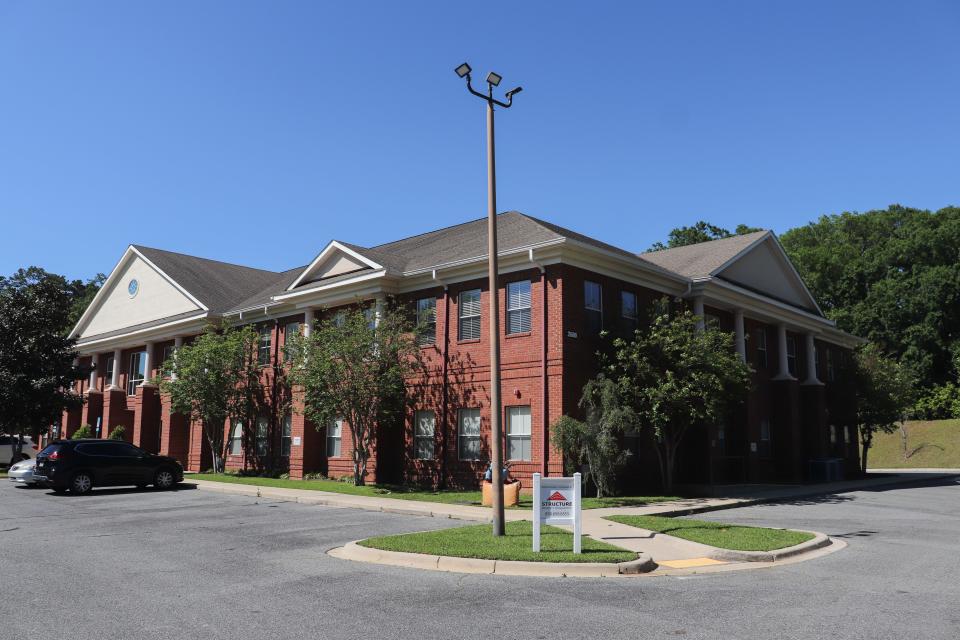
[[164, 479], [81, 483]]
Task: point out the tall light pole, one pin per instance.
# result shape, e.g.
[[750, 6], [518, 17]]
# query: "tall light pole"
[[496, 432]]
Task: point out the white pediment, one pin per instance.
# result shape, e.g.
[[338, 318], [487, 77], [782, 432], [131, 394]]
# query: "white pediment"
[[336, 259], [136, 292], [765, 268]]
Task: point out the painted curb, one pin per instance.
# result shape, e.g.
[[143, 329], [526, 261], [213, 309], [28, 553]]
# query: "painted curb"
[[818, 541], [358, 553]]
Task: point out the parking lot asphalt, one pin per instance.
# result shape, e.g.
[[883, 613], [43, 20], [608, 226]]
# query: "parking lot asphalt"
[[131, 564]]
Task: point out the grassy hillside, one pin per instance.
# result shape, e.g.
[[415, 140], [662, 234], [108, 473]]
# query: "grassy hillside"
[[934, 444]]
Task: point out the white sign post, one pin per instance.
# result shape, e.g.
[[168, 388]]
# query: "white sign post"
[[556, 501]]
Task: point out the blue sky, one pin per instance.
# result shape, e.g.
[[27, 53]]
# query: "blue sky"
[[254, 132]]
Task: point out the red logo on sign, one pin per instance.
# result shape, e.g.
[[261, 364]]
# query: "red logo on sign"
[[556, 495]]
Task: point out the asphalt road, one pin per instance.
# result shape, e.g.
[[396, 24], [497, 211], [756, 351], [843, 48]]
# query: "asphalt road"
[[127, 565]]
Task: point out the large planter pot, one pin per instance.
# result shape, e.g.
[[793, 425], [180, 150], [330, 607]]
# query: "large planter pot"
[[511, 494]]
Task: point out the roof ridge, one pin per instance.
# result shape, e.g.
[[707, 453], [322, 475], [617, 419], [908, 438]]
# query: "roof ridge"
[[188, 255], [735, 236]]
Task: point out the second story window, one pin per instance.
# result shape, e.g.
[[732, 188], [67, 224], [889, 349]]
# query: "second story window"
[[762, 348], [426, 321], [792, 355], [469, 307], [137, 372], [109, 372], [518, 307], [263, 348], [292, 329], [628, 310], [593, 307]]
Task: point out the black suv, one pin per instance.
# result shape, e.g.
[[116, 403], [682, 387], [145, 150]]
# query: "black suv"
[[80, 465]]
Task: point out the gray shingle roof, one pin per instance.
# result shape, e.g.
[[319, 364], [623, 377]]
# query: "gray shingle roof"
[[702, 259], [218, 285]]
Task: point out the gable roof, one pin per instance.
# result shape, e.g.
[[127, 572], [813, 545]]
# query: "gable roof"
[[704, 259]]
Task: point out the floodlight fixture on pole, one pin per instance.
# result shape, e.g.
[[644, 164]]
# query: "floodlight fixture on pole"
[[493, 289]]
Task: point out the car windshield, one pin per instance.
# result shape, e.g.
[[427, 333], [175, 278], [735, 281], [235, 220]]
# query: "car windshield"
[[50, 448]]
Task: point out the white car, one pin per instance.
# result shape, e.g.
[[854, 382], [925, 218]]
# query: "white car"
[[8, 445], [23, 472]]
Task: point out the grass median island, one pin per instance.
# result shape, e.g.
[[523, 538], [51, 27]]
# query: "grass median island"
[[476, 542], [399, 492], [718, 534]]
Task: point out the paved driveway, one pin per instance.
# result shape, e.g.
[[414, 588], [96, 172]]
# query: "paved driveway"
[[192, 564]]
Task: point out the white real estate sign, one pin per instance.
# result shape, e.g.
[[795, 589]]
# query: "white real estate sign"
[[556, 501]]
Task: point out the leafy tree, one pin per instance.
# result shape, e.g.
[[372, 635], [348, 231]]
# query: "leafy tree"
[[215, 379], [884, 391], [36, 358], [355, 369], [85, 431], [702, 231], [891, 276], [596, 441], [669, 379], [117, 433]]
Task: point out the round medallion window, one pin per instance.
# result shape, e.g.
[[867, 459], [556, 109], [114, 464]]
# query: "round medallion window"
[[133, 287]]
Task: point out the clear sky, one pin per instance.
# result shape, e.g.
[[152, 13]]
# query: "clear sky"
[[254, 132]]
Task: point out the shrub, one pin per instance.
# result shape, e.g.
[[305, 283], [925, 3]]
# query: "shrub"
[[117, 432], [85, 431], [939, 403]]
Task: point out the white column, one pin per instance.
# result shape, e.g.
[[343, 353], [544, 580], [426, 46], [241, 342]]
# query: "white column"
[[811, 361], [95, 361], [115, 377], [177, 343], [698, 311], [739, 337], [308, 318], [783, 371], [76, 385], [380, 300], [147, 353]]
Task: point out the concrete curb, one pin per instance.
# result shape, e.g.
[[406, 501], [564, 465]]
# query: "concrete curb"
[[358, 553], [818, 541]]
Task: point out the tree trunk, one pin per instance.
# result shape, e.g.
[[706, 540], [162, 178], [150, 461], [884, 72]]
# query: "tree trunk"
[[671, 452], [866, 442]]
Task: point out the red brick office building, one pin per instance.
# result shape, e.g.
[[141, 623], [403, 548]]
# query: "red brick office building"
[[558, 290]]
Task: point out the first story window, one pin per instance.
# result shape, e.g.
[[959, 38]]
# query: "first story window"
[[765, 448], [468, 441], [762, 347], [593, 307], [426, 321], [628, 310], [831, 372], [262, 440], [137, 372], [792, 355], [518, 307], [289, 331], [263, 349], [424, 427], [236, 439], [518, 433], [109, 372], [334, 437], [469, 309], [285, 436], [833, 434]]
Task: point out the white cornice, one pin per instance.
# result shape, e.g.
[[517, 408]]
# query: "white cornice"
[[167, 330], [330, 248]]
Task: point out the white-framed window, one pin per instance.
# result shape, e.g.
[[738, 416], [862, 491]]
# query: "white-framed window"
[[426, 321], [518, 433], [370, 315], [109, 372], [286, 436], [765, 448], [424, 428], [762, 347], [468, 434], [518, 307], [263, 436], [334, 437], [136, 374], [469, 311], [291, 329], [593, 306], [236, 439], [265, 343], [629, 313], [339, 318], [792, 355], [833, 434]]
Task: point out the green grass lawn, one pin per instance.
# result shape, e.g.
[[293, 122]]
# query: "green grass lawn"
[[470, 498], [476, 542], [930, 444], [717, 534]]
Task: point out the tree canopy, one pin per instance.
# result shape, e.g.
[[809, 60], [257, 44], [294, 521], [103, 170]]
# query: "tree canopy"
[[883, 392], [702, 231]]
